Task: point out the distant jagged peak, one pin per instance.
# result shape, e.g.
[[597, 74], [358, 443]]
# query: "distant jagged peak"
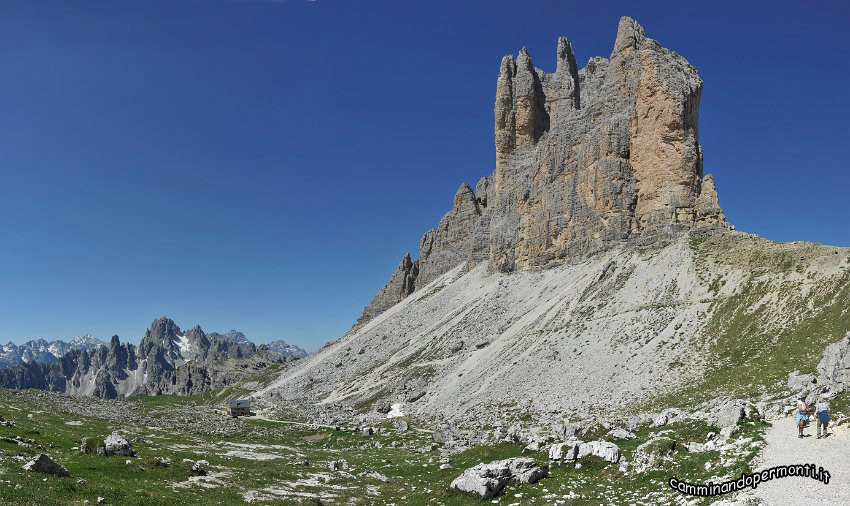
[[285, 349], [237, 336]]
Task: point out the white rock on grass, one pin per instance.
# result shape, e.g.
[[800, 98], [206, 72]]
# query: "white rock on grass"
[[116, 444]]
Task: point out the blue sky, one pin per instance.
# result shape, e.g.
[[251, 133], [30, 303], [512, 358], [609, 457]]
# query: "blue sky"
[[264, 165]]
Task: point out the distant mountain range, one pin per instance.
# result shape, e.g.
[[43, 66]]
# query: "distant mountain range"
[[166, 361], [276, 346], [44, 352]]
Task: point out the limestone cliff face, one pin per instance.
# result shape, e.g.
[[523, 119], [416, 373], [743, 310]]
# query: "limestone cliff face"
[[585, 159]]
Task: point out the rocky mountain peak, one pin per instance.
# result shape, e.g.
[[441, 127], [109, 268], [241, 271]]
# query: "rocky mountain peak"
[[163, 329], [586, 160], [630, 35]]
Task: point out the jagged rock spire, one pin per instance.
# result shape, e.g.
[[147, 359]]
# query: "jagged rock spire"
[[520, 112], [586, 159], [630, 35]]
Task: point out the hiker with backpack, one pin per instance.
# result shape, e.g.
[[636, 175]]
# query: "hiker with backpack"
[[822, 413], [802, 416]]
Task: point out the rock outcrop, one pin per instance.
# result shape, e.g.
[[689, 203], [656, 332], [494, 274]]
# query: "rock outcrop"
[[834, 368], [585, 159]]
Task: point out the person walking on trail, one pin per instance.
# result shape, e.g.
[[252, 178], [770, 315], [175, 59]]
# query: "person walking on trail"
[[802, 417], [822, 413]]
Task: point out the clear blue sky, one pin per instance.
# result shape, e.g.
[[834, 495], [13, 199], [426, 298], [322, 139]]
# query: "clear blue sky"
[[264, 165]]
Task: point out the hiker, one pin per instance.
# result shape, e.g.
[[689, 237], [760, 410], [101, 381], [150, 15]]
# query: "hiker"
[[822, 413], [801, 417]]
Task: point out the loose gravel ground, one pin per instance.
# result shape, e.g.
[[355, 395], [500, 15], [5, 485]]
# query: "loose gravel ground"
[[784, 447]]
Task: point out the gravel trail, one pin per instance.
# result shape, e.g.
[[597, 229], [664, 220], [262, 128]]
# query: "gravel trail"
[[784, 447]]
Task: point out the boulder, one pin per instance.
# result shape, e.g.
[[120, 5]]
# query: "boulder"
[[526, 470], [564, 451], [487, 480], [401, 425], [652, 453], [728, 414], [666, 416], [602, 449], [116, 444], [42, 463]]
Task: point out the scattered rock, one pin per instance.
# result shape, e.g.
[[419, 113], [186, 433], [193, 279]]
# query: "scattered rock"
[[622, 434], [375, 476], [402, 425], [199, 468], [162, 462], [338, 465]]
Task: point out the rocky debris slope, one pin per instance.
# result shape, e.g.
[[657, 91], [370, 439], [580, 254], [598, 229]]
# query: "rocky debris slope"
[[167, 360], [586, 159], [610, 331]]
